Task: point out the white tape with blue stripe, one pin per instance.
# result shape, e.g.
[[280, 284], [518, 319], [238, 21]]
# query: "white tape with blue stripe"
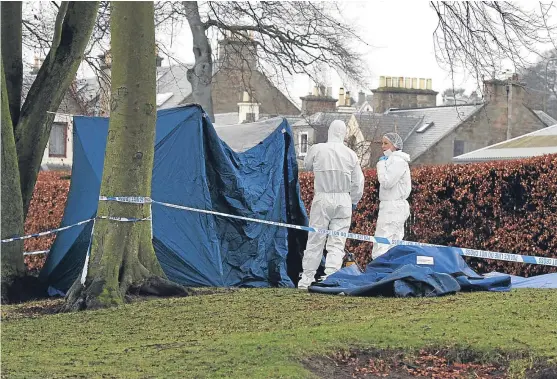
[[355, 236], [53, 231], [46, 233]]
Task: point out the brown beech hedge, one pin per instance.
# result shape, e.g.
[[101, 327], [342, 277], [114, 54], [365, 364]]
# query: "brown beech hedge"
[[508, 206]]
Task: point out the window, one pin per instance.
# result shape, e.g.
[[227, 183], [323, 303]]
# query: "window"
[[250, 117], [303, 143], [57, 141], [424, 126], [458, 148]]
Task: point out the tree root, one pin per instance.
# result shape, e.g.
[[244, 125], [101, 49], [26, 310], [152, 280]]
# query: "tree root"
[[96, 295]]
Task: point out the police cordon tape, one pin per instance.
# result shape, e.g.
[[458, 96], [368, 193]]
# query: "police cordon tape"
[[52, 231], [360, 237], [474, 253]]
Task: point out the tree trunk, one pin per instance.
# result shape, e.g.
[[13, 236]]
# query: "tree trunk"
[[47, 92], [122, 257], [12, 54], [12, 205], [201, 75]]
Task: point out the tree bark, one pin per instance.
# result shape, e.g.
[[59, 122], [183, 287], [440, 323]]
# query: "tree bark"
[[12, 265], [48, 90], [12, 54], [201, 75], [122, 256]]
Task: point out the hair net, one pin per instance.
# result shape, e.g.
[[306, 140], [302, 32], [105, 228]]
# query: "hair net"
[[395, 139]]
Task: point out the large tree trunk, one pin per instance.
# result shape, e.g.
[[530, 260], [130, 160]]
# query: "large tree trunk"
[[201, 75], [12, 54], [72, 33], [122, 257], [12, 205]]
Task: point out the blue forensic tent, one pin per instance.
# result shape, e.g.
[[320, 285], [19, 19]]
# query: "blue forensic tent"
[[193, 167], [411, 271]]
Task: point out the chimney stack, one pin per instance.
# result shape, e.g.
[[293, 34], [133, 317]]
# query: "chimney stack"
[[341, 98], [347, 99], [361, 97], [248, 110], [403, 92]]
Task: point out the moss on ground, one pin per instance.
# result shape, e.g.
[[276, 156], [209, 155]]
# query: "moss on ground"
[[266, 333]]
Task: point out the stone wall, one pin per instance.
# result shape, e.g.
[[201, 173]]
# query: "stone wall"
[[228, 88]]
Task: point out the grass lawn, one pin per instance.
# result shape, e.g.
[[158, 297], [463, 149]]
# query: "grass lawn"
[[266, 333]]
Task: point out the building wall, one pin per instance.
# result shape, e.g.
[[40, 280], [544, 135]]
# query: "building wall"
[[297, 132], [67, 109], [61, 163], [228, 88], [312, 104]]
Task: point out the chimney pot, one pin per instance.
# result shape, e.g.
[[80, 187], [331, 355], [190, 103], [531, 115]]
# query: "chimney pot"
[[422, 83], [382, 82]]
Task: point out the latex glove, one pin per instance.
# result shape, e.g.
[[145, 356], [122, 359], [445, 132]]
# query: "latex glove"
[[354, 206], [383, 158]]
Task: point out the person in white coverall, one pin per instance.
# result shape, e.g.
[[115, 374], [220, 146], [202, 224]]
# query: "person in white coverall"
[[338, 187], [395, 185]]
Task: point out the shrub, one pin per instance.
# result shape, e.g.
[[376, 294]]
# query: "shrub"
[[45, 213], [507, 206]]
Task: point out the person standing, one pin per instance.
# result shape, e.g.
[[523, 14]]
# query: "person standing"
[[395, 185], [338, 187]]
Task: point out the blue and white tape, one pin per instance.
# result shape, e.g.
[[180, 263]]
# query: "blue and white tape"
[[355, 236], [53, 231], [46, 233]]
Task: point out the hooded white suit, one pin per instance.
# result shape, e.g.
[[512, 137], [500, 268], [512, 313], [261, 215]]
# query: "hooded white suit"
[[395, 186], [338, 184]]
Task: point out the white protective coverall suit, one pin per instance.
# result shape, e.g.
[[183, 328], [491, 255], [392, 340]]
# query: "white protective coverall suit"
[[338, 186], [395, 185]]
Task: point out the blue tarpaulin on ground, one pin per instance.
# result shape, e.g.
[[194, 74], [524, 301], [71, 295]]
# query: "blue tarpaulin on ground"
[[406, 271], [193, 167]]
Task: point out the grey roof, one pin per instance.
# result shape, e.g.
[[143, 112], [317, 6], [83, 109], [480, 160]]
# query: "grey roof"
[[230, 118], [540, 142], [445, 119], [241, 137], [545, 118], [173, 80], [375, 125]]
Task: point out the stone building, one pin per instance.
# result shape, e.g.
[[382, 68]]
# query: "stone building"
[[237, 70], [448, 131]]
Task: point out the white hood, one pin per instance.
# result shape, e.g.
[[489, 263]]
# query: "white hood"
[[402, 155], [337, 131]]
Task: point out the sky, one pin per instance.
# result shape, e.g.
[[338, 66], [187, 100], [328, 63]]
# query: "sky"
[[399, 37]]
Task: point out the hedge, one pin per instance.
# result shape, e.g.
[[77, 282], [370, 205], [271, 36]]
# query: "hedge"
[[508, 206]]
